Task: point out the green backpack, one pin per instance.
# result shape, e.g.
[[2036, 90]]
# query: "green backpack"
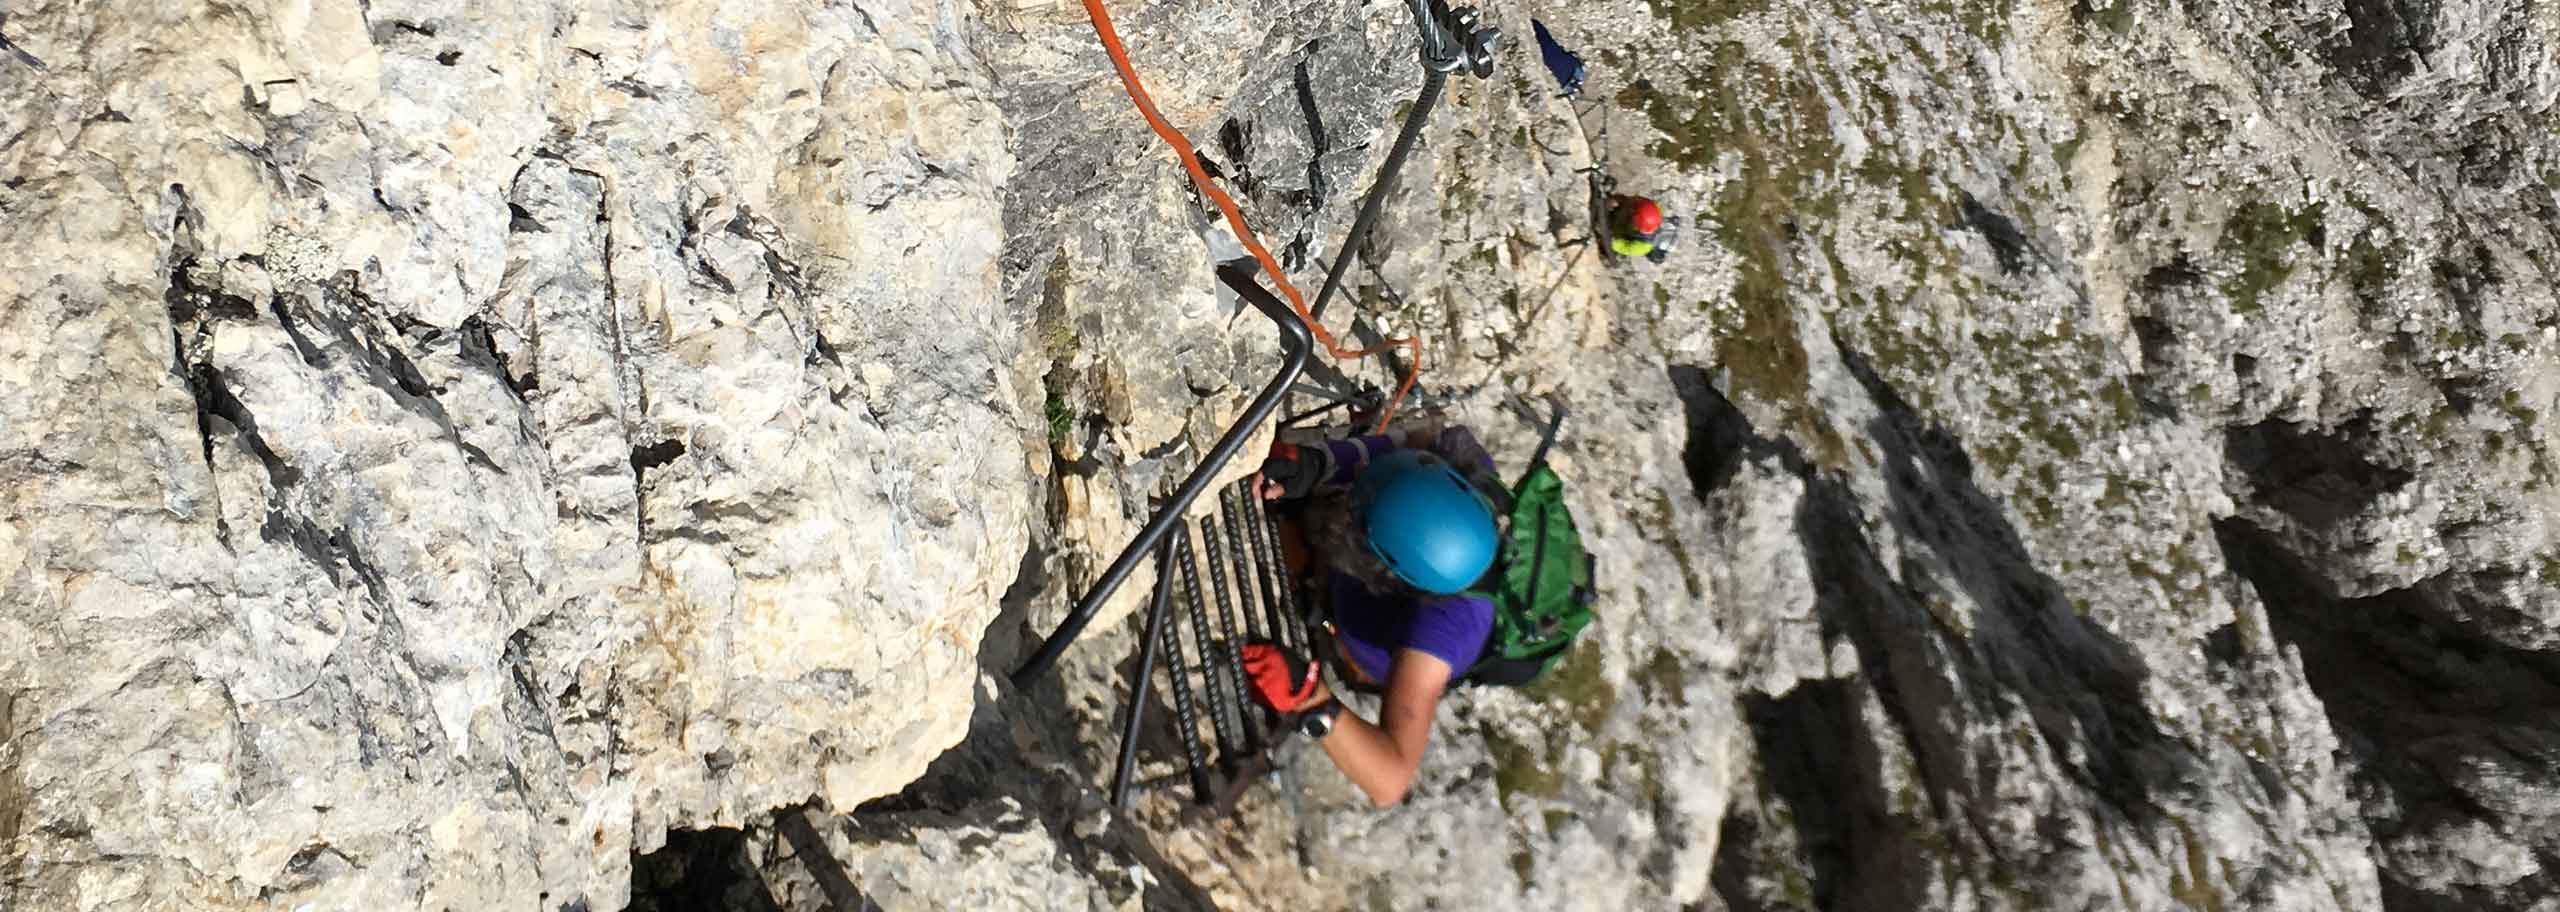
[[1542, 584]]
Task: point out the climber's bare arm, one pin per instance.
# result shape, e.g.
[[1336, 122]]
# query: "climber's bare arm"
[[1383, 758]]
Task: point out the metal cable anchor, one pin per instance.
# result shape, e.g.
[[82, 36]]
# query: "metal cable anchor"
[[1455, 39]]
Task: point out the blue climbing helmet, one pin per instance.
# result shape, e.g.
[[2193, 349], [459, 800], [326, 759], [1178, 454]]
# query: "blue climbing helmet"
[[1425, 521]]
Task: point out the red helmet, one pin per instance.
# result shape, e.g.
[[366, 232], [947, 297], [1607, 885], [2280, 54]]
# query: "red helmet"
[[1647, 217]]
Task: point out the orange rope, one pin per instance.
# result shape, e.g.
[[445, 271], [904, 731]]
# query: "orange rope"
[[1190, 157]]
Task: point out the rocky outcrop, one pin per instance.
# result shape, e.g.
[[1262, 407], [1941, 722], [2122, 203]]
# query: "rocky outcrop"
[[2086, 454], [2003, 322], [2221, 310], [447, 447], [2448, 727], [999, 858]]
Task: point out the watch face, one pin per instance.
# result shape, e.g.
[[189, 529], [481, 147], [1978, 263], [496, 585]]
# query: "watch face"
[[1317, 724]]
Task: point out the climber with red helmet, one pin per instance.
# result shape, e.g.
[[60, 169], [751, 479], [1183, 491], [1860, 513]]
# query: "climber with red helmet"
[[1398, 530], [1635, 227]]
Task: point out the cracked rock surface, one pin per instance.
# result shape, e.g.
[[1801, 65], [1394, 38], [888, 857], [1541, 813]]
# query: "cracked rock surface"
[[587, 455], [448, 448]]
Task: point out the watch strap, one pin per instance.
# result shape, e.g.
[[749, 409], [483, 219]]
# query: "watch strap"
[[1320, 721]]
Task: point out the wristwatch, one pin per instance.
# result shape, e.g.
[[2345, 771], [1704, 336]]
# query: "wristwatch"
[[1318, 722]]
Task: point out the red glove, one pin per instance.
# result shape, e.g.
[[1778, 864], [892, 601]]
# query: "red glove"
[[1280, 681]]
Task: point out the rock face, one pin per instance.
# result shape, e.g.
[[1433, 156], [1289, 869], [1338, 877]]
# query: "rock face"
[[2086, 454], [437, 433]]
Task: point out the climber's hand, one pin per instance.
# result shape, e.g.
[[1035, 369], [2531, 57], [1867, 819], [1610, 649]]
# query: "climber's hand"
[[1292, 472], [1281, 681]]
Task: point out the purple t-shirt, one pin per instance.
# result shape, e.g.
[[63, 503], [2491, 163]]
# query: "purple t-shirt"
[[1452, 628]]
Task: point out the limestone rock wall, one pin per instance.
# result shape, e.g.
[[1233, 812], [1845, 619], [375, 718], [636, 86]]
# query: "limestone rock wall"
[[2073, 439], [2086, 453], [449, 445]]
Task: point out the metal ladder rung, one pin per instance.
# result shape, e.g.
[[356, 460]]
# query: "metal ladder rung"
[[1201, 668]]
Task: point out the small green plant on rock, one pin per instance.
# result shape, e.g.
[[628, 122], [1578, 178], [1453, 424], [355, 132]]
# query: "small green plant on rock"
[[1062, 420], [2264, 235]]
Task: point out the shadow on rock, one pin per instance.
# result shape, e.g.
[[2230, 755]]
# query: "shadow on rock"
[[2315, 476], [697, 869], [1025, 762], [1879, 787], [1010, 809], [2449, 728]]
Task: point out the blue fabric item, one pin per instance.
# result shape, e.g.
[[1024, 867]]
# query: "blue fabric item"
[[1425, 521], [1372, 627], [1563, 64]]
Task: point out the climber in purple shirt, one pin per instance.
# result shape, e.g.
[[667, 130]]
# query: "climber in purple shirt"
[[1398, 530]]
